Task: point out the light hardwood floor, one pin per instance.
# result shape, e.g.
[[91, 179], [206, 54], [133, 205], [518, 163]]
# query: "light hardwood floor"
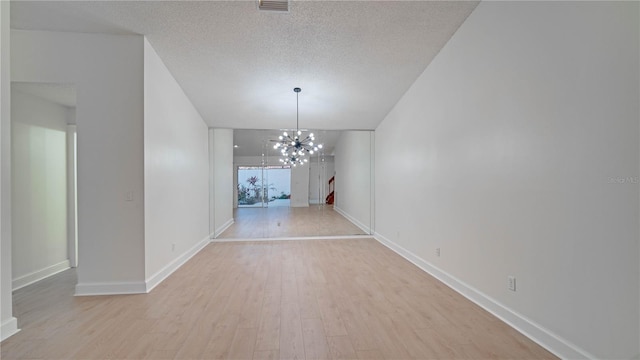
[[279, 222], [308, 299]]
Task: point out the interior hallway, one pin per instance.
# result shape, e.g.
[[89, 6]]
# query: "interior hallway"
[[283, 222], [307, 299]]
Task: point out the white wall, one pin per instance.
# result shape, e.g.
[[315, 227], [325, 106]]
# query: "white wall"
[[39, 191], [299, 186], [319, 174], [108, 73], [8, 323], [72, 199], [223, 187], [354, 177], [176, 176], [516, 153]]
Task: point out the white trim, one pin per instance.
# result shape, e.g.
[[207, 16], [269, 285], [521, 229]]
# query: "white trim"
[[174, 265], [72, 198], [337, 237], [224, 227], [111, 288], [28, 279], [9, 328], [355, 221], [545, 338]]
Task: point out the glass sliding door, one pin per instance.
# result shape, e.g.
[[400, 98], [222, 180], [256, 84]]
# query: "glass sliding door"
[[264, 186], [278, 185]]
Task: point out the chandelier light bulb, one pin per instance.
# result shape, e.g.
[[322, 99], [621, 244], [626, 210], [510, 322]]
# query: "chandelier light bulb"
[[311, 143], [311, 152], [319, 146]]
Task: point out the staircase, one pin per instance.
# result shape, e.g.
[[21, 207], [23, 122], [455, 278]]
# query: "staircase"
[[330, 198]]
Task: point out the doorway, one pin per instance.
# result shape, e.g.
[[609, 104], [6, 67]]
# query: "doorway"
[[264, 186], [43, 154]]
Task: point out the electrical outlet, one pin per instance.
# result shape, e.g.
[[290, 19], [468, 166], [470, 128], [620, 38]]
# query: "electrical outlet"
[[438, 252], [173, 247], [511, 283]]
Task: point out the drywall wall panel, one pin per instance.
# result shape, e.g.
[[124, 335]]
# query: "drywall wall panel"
[[354, 177], [8, 323], [108, 73], [223, 170], [176, 170]]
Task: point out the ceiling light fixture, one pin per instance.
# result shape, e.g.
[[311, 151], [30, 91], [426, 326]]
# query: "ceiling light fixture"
[[294, 147]]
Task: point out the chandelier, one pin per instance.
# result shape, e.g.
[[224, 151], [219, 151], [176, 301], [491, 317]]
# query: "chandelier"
[[294, 147]]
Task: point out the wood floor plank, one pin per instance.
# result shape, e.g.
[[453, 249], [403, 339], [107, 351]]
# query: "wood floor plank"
[[291, 340], [266, 355], [341, 348], [315, 340], [330, 313], [221, 339], [268, 337], [243, 343], [370, 355]]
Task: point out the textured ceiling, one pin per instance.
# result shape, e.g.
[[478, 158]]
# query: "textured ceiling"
[[238, 65]]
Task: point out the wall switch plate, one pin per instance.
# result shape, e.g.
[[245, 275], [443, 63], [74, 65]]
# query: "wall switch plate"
[[128, 196], [511, 283], [438, 252]]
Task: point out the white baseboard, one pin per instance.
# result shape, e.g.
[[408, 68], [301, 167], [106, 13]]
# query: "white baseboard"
[[545, 338], [111, 288], [355, 221], [222, 228], [9, 328], [174, 265], [38, 275]]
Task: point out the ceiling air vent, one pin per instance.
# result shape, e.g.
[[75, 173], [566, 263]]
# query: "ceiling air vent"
[[273, 5]]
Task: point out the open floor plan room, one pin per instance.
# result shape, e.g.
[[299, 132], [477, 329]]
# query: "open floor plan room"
[[293, 179]]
